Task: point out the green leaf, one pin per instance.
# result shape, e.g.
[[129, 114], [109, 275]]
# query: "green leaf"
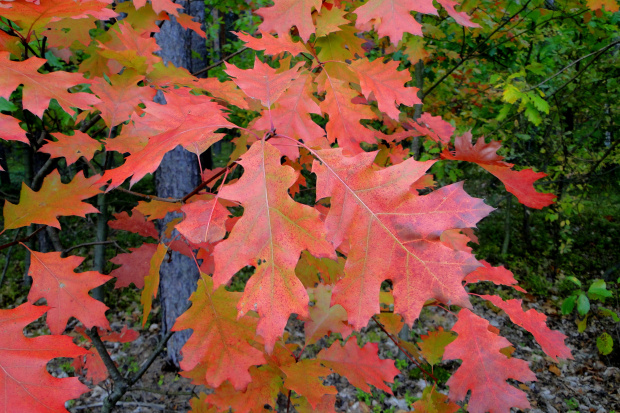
[[569, 305], [605, 344], [582, 324], [583, 305], [511, 94], [532, 114], [574, 280], [540, 103], [598, 291], [608, 313], [5, 105]]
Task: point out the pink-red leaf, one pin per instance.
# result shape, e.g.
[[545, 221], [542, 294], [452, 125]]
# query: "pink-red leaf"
[[287, 13], [134, 266]]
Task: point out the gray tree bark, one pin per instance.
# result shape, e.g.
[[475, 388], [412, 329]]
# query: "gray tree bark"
[[177, 175]]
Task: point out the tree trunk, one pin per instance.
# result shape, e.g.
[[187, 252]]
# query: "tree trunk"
[[177, 175]]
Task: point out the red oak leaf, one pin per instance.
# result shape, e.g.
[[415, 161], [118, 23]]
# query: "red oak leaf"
[[518, 183], [263, 390], [187, 22], [453, 238], [66, 291], [330, 21], [54, 199], [39, 88], [134, 266], [205, 221], [344, 116], [72, 147], [393, 323], [26, 384], [393, 18], [130, 49], [135, 223], [287, 13], [10, 129], [274, 229], [34, 16], [160, 5], [273, 45], [303, 378], [552, 342], [460, 17], [361, 366], [291, 115], [394, 234], [262, 82], [484, 370], [388, 89], [120, 98], [156, 209], [324, 318], [185, 120], [220, 341], [497, 275]]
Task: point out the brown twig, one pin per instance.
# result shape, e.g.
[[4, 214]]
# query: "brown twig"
[[216, 64], [405, 352], [149, 197], [24, 239], [86, 244], [207, 182]]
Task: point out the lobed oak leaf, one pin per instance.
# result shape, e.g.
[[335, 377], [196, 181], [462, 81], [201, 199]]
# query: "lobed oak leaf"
[[361, 366], [120, 99], [168, 6], [393, 323], [303, 378], [291, 115], [263, 390], [187, 22], [392, 18], [65, 291], [330, 20], [134, 266], [26, 384], [309, 267], [344, 116], [287, 13], [324, 318], [453, 238], [552, 342], [130, 49], [433, 345], [39, 88], [34, 16], [136, 223], [151, 281], [65, 32], [186, 120], [54, 199], [11, 131], [518, 183], [497, 275], [273, 230], [325, 405], [485, 369], [387, 84], [460, 17], [432, 126], [156, 209], [434, 402], [205, 221], [72, 147], [394, 234], [273, 45], [341, 45], [220, 343], [262, 82]]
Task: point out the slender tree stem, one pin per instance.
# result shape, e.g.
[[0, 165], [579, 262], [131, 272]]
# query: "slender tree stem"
[[216, 64]]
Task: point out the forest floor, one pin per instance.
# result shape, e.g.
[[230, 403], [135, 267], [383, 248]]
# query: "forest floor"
[[589, 383]]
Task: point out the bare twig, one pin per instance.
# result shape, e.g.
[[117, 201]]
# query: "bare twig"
[[166, 393], [24, 239], [149, 197], [207, 182], [142, 404], [86, 244], [216, 64], [160, 347]]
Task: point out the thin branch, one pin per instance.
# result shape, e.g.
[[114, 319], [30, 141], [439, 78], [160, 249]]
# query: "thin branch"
[[45, 169], [105, 356], [602, 50], [181, 393], [216, 64], [160, 347], [86, 244], [207, 182], [101, 404], [405, 352], [149, 197], [90, 124], [24, 239]]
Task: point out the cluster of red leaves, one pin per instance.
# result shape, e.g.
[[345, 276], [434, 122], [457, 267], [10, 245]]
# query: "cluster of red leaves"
[[370, 223]]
